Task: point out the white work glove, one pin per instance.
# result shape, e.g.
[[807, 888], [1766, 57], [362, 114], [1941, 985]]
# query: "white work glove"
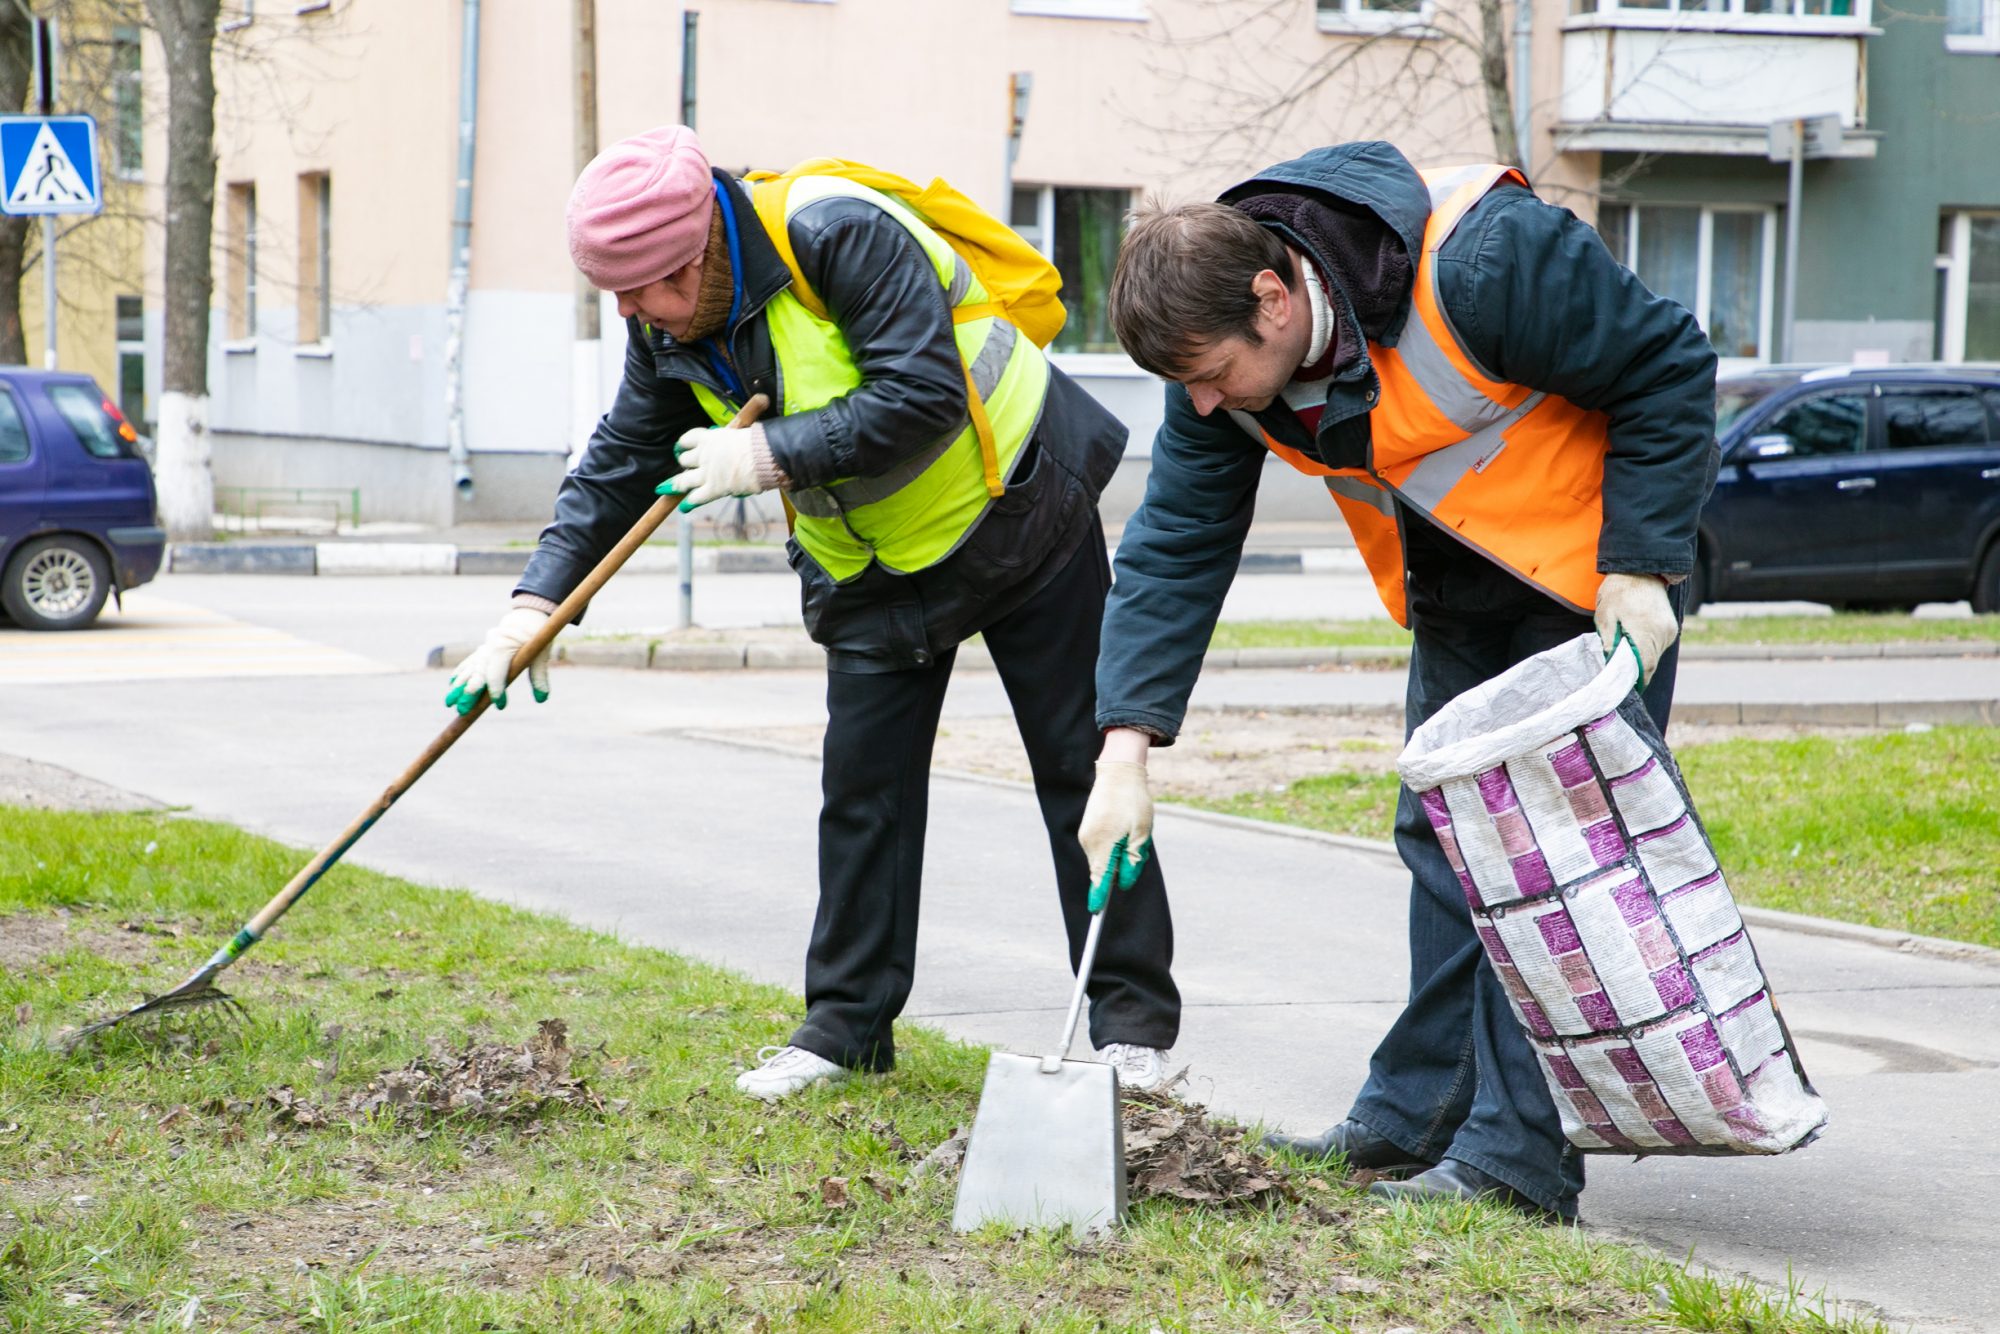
[[485, 668], [1636, 606], [1117, 828], [719, 461]]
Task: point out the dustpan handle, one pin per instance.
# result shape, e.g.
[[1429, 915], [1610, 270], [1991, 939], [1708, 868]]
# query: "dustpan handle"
[[1082, 980]]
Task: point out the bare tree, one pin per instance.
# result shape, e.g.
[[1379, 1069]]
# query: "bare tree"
[[186, 484]]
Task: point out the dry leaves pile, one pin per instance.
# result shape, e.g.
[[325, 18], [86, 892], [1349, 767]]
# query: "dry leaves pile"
[[1172, 1148], [489, 1082]]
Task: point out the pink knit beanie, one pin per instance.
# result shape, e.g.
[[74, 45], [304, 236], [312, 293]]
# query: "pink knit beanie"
[[640, 210]]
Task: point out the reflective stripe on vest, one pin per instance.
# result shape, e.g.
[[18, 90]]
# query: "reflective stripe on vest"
[[1512, 472], [923, 508]]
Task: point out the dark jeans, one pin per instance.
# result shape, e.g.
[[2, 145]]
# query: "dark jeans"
[[876, 781], [1455, 1076]]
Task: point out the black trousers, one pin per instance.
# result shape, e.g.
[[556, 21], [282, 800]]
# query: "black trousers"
[[876, 781]]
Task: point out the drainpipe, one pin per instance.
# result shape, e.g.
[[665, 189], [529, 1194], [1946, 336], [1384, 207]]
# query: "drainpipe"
[[461, 260], [1524, 79]]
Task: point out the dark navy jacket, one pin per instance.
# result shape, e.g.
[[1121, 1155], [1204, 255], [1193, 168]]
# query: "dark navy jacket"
[[883, 292], [1537, 300]]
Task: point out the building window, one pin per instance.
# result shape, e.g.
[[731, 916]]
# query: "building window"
[[1080, 230], [132, 359], [1970, 293], [1082, 9], [315, 257], [237, 15], [128, 140], [1842, 14], [1372, 15], [242, 261], [1718, 262], [1972, 25]]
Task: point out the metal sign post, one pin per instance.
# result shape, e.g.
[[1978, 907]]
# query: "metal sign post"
[[1793, 141]]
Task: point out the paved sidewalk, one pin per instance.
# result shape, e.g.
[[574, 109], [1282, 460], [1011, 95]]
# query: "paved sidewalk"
[[1291, 955]]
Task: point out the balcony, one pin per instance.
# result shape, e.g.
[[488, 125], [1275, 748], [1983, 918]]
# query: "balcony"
[[1670, 77]]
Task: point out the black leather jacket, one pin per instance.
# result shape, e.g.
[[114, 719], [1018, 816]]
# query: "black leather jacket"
[[883, 293]]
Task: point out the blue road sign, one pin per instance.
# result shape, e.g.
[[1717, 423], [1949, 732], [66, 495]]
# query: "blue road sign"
[[48, 164]]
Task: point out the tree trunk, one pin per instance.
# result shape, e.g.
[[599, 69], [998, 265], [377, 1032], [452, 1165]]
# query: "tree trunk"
[[17, 61], [186, 485], [1493, 75]]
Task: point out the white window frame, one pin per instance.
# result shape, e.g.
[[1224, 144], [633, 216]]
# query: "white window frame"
[[1044, 240], [1956, 262], [1126, 11], [1352, 16], [242, 18], [1704, 268], [1986, 41], [1686, 14], [130, 347]]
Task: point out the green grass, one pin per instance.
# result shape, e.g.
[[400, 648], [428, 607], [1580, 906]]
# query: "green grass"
[[1842, 628], [1894, 831], [150, 1182]]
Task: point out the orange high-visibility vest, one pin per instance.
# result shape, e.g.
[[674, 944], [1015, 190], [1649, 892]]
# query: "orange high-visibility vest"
[[1514, 473]]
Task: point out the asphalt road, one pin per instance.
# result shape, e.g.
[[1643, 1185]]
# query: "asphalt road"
[[1291, 947]]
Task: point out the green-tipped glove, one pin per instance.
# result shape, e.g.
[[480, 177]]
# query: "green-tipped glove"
[[1117, 828], [1636, 607], [716, 461], [485, 668]]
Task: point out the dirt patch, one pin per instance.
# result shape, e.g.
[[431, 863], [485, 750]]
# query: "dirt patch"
[[1224, 752], [45, 787], [26, 939]]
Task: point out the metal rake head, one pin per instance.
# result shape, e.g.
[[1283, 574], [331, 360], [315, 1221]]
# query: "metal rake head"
[[195, 996]]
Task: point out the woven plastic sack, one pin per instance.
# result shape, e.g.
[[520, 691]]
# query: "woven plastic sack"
[[1597, 894]]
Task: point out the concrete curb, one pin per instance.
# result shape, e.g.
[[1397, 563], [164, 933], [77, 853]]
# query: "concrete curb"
[[434, 558], [1903, 942]]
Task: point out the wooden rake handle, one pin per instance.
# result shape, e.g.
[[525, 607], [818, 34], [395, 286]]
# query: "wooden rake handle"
[[562, 616]]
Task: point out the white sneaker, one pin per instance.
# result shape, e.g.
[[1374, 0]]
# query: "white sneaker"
[[784, 1071], [1141, 1069]]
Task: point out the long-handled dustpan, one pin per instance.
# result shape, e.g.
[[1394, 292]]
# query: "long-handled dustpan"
[[1047, 1145]]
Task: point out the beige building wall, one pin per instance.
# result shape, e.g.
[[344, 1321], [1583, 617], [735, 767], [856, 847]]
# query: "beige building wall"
[[1186, 99]]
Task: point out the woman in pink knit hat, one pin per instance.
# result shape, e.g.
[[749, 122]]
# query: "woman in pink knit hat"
[[902, 549]]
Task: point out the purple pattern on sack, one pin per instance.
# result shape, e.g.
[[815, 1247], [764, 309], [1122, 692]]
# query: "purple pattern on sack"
[[1728, 943], [1656, 947], [1651, 1103], [1587, 803], [1665, 830], [1719, 1082], [1538, 1019], [1496, 948], [1744, 1117], [1517, 838], [1675, 987], [1637, 774], [1672, 1130], [1627, 1063], [1566, 1072], [1606, 844], [1599, 724], [1597, 1012], [1740, 1007], [1572, 766], [1703, 1045], [1532, 876], [1635, 905], [1558, 932], [1496, 791], [1576, 970]]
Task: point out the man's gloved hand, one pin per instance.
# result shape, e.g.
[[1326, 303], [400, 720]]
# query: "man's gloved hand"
[[485, 668], [1117, 828], [719, 461], [1636, 606]]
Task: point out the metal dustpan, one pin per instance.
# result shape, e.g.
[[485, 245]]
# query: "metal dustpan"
[[1047, 1146]]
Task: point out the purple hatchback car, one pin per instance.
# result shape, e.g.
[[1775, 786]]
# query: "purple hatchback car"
[[77, 509]]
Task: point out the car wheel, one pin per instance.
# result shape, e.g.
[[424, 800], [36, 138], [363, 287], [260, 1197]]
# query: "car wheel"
[[1986, 588], [1697, 586], [56, 583]]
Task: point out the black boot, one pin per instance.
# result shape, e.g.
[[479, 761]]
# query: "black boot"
[[1364, 1150], [1454, 1180]]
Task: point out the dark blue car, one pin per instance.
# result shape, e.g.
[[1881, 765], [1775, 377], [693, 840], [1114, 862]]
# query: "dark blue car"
[[1872, 488], [77, 513]]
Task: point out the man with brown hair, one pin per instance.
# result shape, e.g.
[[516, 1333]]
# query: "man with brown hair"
[[1520, 436]]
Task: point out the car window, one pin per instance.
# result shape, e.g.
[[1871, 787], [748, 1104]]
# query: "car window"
[[13, 431], [1825, 424], [87, 414], [1931, 418], [1732, 400]]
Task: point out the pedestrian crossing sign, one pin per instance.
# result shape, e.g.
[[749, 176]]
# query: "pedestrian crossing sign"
[[48, 164]]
